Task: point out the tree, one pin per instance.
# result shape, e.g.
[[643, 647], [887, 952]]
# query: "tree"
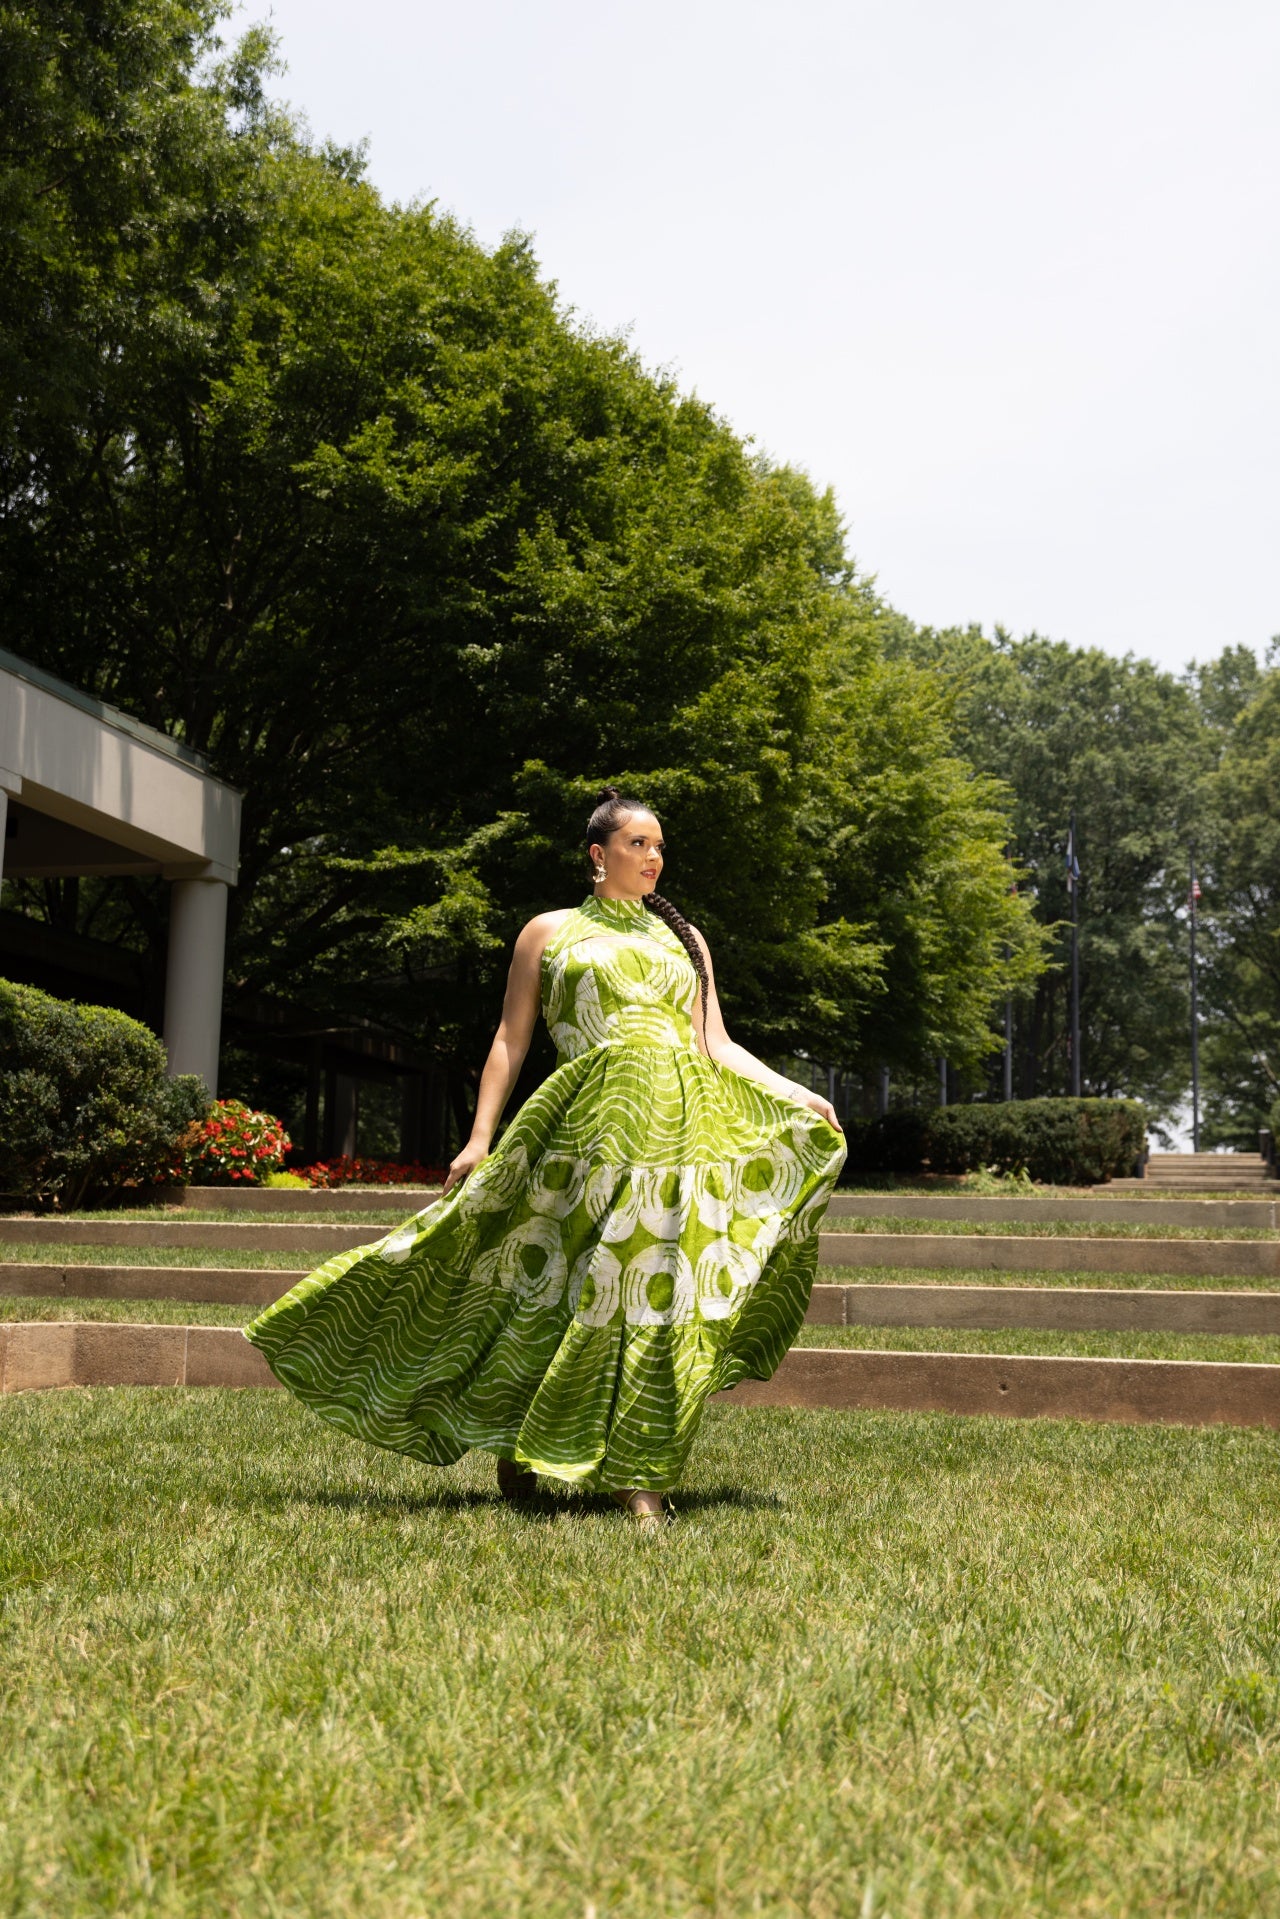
[[352, 505], [1125, 746], [914, 848], [1242, 917]]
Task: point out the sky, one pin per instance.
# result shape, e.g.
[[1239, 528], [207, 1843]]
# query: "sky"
[[1004, 275]]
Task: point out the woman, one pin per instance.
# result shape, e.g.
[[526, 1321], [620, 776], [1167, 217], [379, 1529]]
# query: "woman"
[[644, 1233]]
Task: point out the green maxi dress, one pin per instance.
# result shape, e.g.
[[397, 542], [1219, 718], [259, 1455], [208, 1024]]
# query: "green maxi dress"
[[643, 1234]]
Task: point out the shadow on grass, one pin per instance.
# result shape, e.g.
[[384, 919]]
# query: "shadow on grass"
[[543, 1505]]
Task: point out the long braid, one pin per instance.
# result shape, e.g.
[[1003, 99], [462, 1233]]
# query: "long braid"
[[611, 809], [675, 919]]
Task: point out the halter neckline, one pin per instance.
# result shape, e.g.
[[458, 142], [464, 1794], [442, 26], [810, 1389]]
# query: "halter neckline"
[[616, 909]]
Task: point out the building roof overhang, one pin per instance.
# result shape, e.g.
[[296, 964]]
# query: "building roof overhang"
[[95, 791]]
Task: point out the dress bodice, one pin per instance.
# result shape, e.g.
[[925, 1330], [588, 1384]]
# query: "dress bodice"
[[615, 974]]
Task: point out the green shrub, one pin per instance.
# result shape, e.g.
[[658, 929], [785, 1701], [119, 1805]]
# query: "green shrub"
[[1063, 1142], [291, 1180], [86, 1109]]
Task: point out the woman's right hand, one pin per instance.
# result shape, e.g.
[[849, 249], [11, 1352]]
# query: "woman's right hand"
[[465, 1164]]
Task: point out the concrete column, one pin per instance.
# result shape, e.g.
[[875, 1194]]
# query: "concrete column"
[[10, 783], [193, 981], [346, 1115]]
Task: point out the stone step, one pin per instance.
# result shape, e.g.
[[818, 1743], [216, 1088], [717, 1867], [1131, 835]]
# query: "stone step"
[[1193, 1185], [1101, 1211], [43, 1355], [1173, 1392], [1059, 1308], [1205, 1159], [1211, 1258], [271, 1200], [39, 1354], [1023, 1254], [1224, 1172], [200, 1235], [1222, 1182], [1046, 1308], [194, 1285], [973, 1252]]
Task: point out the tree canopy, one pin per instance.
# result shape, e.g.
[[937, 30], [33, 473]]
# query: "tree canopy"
[[1242, 904], [1156, 767], [358, 508]]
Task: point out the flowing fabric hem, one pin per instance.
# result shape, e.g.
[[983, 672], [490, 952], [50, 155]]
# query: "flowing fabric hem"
[[430, 1436], [436, 1340]]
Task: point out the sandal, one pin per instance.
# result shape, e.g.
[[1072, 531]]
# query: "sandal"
[[515, 1482], [644, 1518]]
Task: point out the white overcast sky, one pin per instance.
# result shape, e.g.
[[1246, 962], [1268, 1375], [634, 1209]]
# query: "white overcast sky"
[[1006, 275]]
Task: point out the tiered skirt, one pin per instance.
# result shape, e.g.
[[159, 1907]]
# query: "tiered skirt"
[[643, 1235]]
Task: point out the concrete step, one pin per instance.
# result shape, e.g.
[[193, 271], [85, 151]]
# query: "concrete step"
[[203, 1285], [42, 1355], [1174, 1392], [972, 1252], [1046, 1308], [1225, 1170], [1216, 1258], [1194, 1185], [213, 1236], [39, 1354], [1205, 1159], [1209, 1182], [1086, 1211], [1060, 1308], [271, 1200]]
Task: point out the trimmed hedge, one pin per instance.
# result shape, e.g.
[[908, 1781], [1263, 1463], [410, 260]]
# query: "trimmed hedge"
[[86, 1109], [1062, 1142]]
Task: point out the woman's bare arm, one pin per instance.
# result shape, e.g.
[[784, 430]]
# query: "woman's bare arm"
[[520, 1010], [727, 1052]]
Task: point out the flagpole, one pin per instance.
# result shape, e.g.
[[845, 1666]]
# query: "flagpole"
[[1073, 887], [1192, 897], [1008, 1017], [1008, 1049]]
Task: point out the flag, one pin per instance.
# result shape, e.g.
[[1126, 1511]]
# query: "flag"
[[1073, 864], [1194, 894]]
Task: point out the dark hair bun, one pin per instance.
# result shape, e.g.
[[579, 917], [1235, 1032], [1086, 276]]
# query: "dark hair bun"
[[606, 794]]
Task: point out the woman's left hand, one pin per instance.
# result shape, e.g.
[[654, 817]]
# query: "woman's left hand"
[[821, 1106]]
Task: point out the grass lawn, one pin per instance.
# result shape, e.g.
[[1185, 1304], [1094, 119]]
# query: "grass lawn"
[[377, 1218], [20, 1253], [883, 1665], [150, 1312]]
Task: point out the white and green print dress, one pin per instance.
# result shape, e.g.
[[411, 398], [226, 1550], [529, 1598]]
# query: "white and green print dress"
[[643, 1234]]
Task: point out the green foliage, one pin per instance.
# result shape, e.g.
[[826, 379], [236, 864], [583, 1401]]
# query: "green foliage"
[[85, 1108], [1127, 747], [913, 857], [1063, 1142], [354, 506], [1242, 920]]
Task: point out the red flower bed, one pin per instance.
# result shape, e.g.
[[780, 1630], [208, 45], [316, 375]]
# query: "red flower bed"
[[233, 1145], [350, 1171]]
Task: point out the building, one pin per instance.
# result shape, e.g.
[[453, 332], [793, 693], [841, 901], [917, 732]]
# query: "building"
[[86, 790]]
